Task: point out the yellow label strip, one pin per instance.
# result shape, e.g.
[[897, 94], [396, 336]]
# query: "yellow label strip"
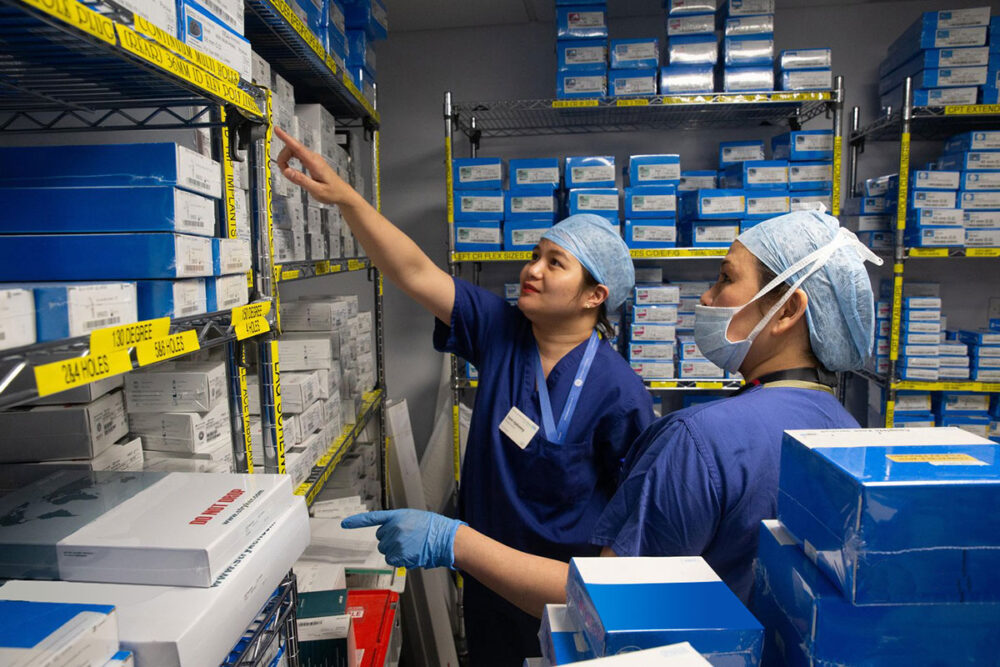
[[128, 335], [490, 256], [708, 385], [153, 351], [249, 328], [279, 421], [449, 184], [982, 252], [241, 373], [936, 459], [838, 150], [897, 310], [904, 180], [59, 376], [251, 311], [980, 387], [322, 268], [78, 16], [928, 252], [355, 265], [574, 104], [203, 60], [971, 109], [632, 103], [291, 274], [229, 191], [890, 413], [667, 253], [377, 169], [456, 444]]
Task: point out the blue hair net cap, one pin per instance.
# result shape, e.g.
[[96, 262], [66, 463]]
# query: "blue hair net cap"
[[841, 310], [600, 248]]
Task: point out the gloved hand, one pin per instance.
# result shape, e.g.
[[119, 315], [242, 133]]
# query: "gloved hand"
[[411, 538]]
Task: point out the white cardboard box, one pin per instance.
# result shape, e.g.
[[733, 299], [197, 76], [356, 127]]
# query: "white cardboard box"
[[189, 386], [17, 318], [307, 352], [299, 390], [182, 431]]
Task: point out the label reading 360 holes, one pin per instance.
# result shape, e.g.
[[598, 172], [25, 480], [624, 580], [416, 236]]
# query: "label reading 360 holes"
[[169, 347], [62, 375]]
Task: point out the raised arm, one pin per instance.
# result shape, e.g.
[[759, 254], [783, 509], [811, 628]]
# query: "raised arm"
[[392, 251]]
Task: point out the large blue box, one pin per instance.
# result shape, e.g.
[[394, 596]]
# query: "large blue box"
[[651, 201], [477, 173], [225, 292], [757, 175], [932, 199], [896, 516], [104, 256], [748, 50], [230, 256], [654, 170], [696, 180], [106, 209], [978, 140], [585, 54], [624, 604], [970, 161], [479, 204], [561, 641], [808, 622], [110, 164], [478, 236], [925, 30], [810, 176], [523, 234], [635, 53], [599, 201], [953, 77], [535, 174], [368, 15], [360, 51], [936, 58], [732, 152], [803, 145], [650, 233], [531, 204], [581, 22], [585, 83], [693, 50], [632, 82], [590, 172], [687, 79], [979, 200], [171, 298], [725, 204], [77, 309]]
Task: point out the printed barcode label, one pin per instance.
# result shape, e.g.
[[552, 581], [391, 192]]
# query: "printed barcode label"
[[102, 322]]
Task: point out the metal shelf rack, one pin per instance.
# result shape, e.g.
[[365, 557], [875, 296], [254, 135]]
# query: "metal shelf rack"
[[276, 622], [302, 270], [903, 126]]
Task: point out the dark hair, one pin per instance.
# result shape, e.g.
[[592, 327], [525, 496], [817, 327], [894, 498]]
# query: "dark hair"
[[766, 275], [603, 323]]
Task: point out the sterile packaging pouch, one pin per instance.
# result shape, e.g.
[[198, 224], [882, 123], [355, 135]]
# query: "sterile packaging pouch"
[[57, 633], [650, 233], [803, 145], [581, 22], [747, 79], [681, 598], [693, 50], [77, 309], [561, 641], [585, 54], [893, 516], [685, 79], [631, 82], [654, 170], [808, 621], [760, 24], [171, 298], [748, 50], [792, 59], [471, 205], [590, 172], [588, 83], [690, 24], [807, 79], [531, 204], [535, 174], [523, 234], [478, 236], [634, 53], [225, 292], [477, 173], [599, 201], [732, 152]]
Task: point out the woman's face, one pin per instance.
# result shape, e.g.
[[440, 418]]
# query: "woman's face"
[[738, 282], [551, 282]]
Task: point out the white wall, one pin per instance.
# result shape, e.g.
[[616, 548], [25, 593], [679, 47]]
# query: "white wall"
[[518, 62]]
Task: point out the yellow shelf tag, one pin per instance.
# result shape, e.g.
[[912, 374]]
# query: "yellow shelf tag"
[[355, 265], [708, 385], [663, 384], [982, 252], [165, 39], [299, 27], [79, 16], [251, 311], [289, 275], [632, 103], [168, 347], [252, 327], [62, 375], [971, 109], [928, 252], [574, 104], [937, 459], [322, 268], [128, 335]]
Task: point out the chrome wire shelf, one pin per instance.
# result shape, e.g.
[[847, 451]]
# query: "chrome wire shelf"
[[301, 270], [931, 123], [275, 623], [505, 118]]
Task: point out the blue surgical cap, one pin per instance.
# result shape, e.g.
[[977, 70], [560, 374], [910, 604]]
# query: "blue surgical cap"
[[841, 311], [600, 248]]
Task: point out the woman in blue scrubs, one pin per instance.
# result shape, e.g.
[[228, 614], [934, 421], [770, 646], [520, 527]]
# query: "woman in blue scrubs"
[[793, 303], [556, 407]]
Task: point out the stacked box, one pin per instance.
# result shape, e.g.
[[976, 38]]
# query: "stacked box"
[[806, 69], [692, 49], [634, 64], [480, 204], [984, 354], [582, 51], [561, 641], [216, 31]]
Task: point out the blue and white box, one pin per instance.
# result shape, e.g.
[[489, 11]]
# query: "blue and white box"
[[172, 298], [477, 173], [581, 54], [77, 309], [650, 233], [952, 77], [651, 201], [806, 79], [632, 82], [522, 234], [104, 256], [979, 337], [581, 22], [693, 50], [925, 179], [230, 256], [687, 79], [535, 174], [360, 51], [590, 172], [810, 176], [368, 15], [757, 175], [979, 200], [110, 164], [655, 313], [979, 180], [654, 170], [760, 24], [199, 28], [746, 7], [978, 140], [651, 351], [690, 24], [732, 152], [478, 236], [675, 7], [866, 206], [647, 602], [720, 204], [932, 199], [531, 204], [583, 83], [982, 238], [53, 633], [748, 50], [764, 204], [697, 180], [106, 209], [936, 217], [925, 37], [17, 317], [971, 161], [656, 295], [635, 53], [599, 201], [792, 59], [809, 622], [803, 145], [653, 332], [747, 79], [479, 205], [719, 234], [226, 292], [886, 521], [876, 187], [936, 237], [561, 640]]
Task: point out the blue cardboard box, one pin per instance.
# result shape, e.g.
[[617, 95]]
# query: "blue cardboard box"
[[732, 152], [935, 237], [585, 54], [808, 621], [980, 180], [599, 201], [368, 15], [810, 175], [747, 79], [764, 204], [757, 175], [951, 77], [690, 24], [336, 28], [759, 24], [926, 179], [970, 56], [745, 7], [479, 205], [477, 173], [748, 50], [531, 204], [970, 161], [806, 79], [523, 234], [696, 180], [803, 145], [977, 140], [651, 201], [581, 22], [635, 53], [693, 50], [590, 172], [225, 292], [687, 79], [979, 200], [886, 521], [171, 298], [104, 256], [925, 37], [360, 50], [978, 337], [724, 204], [639, 603], [230, 256], [535, 174], [110, 164], [926, 30], [792, 59], [561, 641], [478, 236], [106, 209], [589, 83], [651, 233], [718, 234], [654, 170], [679, 7], [76, 309], [918, 199], [39, 632], [632, 82]]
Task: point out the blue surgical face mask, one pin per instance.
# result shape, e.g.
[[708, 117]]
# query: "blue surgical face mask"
[[711, 323]]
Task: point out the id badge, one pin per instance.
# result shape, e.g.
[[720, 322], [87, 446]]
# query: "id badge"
[[518, 427]]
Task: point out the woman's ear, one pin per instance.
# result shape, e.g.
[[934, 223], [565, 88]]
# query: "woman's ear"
[[791, 313], [597, 296]]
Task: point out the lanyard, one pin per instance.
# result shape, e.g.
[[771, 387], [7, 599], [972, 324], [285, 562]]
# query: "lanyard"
[[554, 435]]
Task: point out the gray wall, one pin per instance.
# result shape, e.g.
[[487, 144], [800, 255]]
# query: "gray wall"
[[518, 62]]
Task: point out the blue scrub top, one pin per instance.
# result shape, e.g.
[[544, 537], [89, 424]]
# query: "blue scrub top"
[[546, 498], [699, 481]]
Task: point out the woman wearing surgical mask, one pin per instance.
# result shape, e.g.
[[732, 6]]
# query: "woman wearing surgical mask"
[[556, 407], [792, 304]]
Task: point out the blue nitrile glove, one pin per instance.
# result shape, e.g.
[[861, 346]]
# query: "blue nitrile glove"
[[411, 538]]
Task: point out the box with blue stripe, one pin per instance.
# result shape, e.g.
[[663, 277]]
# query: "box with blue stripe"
[[477, 173], [561, 641], [171, 298], [521, 234], [810, 175], [49, 633], [478, 236], [624, 604], [577, 54], [803, 145], [531, 204], [582, 22], [471, 205], [654, 170], [535, 174], [599, 201], [630, 82], [895, 516], [225, 292], [650, 233], [77, 309], [757, 174], [651, 201], [635, 53]]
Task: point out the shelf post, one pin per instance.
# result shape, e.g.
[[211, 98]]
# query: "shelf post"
[[854, 140], [838, 144]]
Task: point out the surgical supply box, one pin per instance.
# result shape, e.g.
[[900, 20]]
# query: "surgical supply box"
[[183, 386], [732, 152], [477, 173], [650, 233], [530, 204], [721, 204], [757, 174], [172, 298], [651, 201], [599, 201], [635, 53], [793, 59], [57, 633], [580, 54], [590, 172], [642, 603], [17, 318], [473, 205], [478, 236], [803, 145], [654, 170], [687, 79], [632, 82], [535, 174], [76, 309], [524, 234], [581, 22], [693, 50], [590, 83], [895, 516]]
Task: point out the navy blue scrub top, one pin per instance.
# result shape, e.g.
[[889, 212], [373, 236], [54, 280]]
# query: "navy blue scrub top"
[[546, 498], [699, 481]]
